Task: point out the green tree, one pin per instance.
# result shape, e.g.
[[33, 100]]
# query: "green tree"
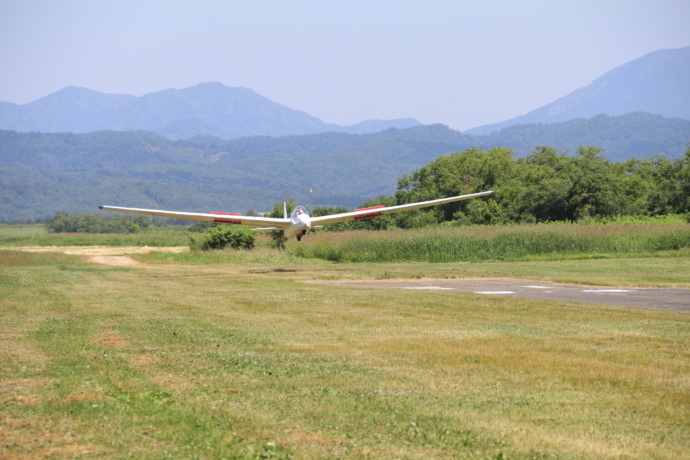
[[654, 185], [547, 183], [471, 171], [638, 186], [59, 223], [558, 187], [597, 189]]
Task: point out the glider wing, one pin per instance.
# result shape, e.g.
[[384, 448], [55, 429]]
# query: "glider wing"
[[383, 210], [218, 217]]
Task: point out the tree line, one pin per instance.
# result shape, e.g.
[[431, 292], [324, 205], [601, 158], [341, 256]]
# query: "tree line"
[[63, 222], [545, 186]]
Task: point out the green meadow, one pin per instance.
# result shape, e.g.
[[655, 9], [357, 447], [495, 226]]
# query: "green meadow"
[[233, 354]]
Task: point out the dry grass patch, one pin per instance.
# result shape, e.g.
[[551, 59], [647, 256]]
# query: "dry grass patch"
[[112, 338], [27, 400], [16, 349], [81, 397], [312, 444], [34, 438], [71, 451], [144, 360], [174, 382]]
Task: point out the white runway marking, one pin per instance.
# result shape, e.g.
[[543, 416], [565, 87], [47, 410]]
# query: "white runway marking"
[[665, 299]]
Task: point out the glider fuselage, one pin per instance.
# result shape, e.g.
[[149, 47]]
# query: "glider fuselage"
[[300, 223]]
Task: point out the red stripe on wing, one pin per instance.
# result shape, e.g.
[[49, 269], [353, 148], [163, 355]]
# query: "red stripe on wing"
[[368, 216], [223, 221], [367, 209]]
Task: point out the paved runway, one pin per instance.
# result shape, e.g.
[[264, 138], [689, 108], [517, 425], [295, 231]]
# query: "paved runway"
[[664, 299]]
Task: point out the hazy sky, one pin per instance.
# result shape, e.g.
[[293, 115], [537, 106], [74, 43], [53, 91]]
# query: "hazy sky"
[[460, 63]]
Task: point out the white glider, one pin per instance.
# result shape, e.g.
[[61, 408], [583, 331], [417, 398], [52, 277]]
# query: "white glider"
[[299, 222]]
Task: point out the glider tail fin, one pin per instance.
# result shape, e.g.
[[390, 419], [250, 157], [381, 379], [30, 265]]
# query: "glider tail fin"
[[285, 215]]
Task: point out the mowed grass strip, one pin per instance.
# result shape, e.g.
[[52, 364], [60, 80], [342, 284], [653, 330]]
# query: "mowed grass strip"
[[200, 361], [663, 269]]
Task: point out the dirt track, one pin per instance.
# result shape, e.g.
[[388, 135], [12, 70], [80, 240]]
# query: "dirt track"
[[107, 255], [118, 261]]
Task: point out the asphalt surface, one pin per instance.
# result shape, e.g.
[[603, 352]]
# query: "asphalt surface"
[[663, 299]]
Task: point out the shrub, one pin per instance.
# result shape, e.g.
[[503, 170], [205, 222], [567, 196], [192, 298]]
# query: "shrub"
[[223, 236]]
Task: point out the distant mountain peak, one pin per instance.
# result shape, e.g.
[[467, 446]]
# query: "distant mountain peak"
[[658, 83]]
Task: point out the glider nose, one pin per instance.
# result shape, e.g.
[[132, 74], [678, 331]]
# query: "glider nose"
[[306, 221]]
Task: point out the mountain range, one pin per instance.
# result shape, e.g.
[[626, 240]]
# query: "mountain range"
[[657, 83], [207, 109]]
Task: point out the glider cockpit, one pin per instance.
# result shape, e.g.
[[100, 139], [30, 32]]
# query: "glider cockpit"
[[299, 211]]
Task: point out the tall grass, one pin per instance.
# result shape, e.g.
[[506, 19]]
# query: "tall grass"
[[509, 243]]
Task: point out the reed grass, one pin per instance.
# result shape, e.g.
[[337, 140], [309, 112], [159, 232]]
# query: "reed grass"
[[508, 243]]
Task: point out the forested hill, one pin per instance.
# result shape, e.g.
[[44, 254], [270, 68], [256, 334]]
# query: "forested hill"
[[623, 137], [41, 174]]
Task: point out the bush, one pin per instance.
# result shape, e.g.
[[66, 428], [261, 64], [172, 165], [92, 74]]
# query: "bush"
[[223, 236]]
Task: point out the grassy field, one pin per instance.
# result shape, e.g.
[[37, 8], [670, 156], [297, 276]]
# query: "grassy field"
[[21, 231], [230, 355], [20, 238]]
